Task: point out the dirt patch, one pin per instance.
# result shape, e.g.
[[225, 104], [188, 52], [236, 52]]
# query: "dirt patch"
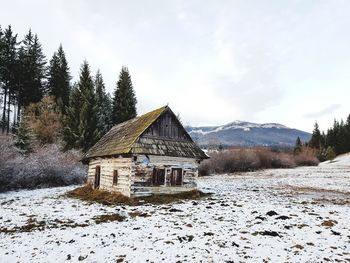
[[329, 223], [33, 224], [86, 193], [138, 214], [108, 218]]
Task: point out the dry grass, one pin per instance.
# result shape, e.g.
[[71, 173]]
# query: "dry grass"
[[86, 193], [329, 223]]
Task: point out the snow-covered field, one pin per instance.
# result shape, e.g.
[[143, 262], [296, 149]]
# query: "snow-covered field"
[[291, 215]]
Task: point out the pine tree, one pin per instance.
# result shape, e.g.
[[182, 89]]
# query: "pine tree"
[[33, 63], [2, 46], [316, 140], [88, 113], [103, 105], [58, 80], [347, 134], [8, 76], [71, 120], [23, 137], [124, 100]]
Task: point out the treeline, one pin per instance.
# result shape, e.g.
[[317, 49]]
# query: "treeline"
[[38, 100], [335, 141]]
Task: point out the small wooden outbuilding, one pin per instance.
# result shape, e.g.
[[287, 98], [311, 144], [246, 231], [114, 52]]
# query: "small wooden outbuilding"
[[150, 154]]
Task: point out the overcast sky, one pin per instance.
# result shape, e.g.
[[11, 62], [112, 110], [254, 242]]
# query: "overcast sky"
[[213, 61]]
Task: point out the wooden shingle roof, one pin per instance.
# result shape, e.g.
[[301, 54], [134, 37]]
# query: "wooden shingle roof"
[[125, 138]]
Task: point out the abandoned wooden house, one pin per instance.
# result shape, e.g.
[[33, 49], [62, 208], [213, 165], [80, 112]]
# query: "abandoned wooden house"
[[150, 154]]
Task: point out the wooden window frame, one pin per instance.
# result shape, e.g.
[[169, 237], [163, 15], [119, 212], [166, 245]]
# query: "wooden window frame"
[[175, 181]]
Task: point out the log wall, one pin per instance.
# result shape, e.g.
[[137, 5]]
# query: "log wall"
[[135, 174], [122, 165]]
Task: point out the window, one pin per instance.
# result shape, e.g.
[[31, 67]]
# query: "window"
[[176, 176], [115, 177], [158, 177]]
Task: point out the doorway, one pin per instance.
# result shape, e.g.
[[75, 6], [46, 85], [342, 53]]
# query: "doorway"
[[97, 176]]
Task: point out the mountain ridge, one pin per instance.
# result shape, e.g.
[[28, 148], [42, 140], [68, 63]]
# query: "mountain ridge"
[[244, 133]]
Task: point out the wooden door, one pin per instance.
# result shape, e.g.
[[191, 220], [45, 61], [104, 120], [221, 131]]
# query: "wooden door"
[[97, 177], [176, 176]]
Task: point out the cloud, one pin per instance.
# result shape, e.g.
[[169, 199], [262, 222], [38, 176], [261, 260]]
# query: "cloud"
[[213, 62], [326, 111]]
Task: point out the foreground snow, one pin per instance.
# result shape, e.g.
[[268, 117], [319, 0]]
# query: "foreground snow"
[[310, 223]]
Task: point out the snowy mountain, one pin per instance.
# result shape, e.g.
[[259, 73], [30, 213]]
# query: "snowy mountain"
[[242, 133]]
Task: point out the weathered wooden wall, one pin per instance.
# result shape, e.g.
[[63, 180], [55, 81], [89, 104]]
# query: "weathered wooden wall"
[[167, 126], [135, 176], [142, 170], [122, 165]]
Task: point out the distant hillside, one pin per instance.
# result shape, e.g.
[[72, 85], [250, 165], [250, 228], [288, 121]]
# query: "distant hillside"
[[241, 133]]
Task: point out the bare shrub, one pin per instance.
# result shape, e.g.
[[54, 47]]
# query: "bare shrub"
[[47, 166], [251, 159], [44, 119], [307, 157]]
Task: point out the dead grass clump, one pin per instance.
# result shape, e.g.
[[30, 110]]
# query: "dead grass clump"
[[31, 225], [329, 223], [86, 193], [108, 218], [171, 198]]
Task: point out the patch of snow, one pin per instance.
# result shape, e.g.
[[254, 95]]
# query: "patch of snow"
[[231, 225]]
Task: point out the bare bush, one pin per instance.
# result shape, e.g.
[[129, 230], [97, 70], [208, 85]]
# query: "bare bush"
[[47, 166], [307, 157], [246, 159], [44, 119]]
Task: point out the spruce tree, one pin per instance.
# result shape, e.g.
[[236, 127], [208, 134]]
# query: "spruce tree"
[[23, 137], [71, 120], [298, 146], [124, 100], [88, 112], [8, 76], [103, 105], [33, 63], [316, 140], [1, 70], [58, 79], [347, 134]]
